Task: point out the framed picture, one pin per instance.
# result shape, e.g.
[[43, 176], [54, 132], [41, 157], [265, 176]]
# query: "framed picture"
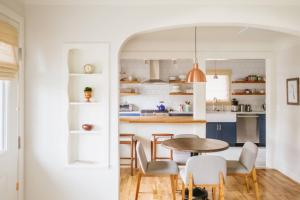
[[292, 91]]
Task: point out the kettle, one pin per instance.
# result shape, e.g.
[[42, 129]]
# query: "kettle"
[[248, 108], [161, 107]]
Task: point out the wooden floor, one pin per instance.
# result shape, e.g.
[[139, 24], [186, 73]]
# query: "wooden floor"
[[273, 185]]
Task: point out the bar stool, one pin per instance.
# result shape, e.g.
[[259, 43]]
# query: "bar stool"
[[157, 138], [132, 142]]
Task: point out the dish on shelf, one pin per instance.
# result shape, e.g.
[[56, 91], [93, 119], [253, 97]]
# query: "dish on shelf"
[[172, 78], [87, 127]]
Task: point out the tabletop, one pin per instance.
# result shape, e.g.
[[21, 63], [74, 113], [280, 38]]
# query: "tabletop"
[[195, 145]]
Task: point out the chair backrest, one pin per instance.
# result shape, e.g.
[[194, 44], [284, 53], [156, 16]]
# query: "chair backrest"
[[179, 156], [206, 169], [141, 156], [248, 155]]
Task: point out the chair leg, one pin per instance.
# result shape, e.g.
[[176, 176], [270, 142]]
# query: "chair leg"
[[247, 183], [135, 154], [190, 187], [221, 187], [154, 150], [176, 182], [139, 177], [214, 193], [131, 157], [172, 178], [255, 184], [151, 149], [182, 191]]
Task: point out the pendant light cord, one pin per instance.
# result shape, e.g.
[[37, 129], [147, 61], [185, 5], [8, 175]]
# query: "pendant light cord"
[[196, 61]]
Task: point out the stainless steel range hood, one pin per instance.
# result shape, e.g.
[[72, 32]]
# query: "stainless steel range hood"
[[154, 70]]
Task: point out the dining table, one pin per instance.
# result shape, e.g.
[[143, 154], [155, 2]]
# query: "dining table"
[[195, 145]]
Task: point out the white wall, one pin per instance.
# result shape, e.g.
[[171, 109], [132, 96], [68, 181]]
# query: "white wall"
[[286, 140], [47, 28], [15, 5]]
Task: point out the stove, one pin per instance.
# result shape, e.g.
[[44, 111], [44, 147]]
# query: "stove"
[[148, 112]]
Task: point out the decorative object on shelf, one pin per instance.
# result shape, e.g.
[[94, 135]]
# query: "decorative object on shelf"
[[292, 91], [182, 77], [196, 74], [88, 91], [87, 127], [88, 68], [175, 89], [172, 78]]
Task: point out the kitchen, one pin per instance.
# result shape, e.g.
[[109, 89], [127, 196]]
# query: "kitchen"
[[235, 102]]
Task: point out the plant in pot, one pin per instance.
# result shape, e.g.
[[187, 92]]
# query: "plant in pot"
[[88, 94]]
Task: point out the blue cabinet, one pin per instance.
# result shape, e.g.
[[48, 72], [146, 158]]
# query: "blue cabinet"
[[225, 131], [262, 129]]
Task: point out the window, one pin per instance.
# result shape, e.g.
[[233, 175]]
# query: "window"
[[2, 116], [218, 89]]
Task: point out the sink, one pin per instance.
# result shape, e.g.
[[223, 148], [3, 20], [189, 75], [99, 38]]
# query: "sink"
[[219, 116]]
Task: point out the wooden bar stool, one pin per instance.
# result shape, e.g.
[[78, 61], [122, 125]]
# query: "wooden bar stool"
[[157, 138], [132, 142]]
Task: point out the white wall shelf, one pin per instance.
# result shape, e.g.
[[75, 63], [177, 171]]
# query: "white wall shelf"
[[88, 148]]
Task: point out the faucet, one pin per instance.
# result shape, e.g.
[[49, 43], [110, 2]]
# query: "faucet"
[[215, 101]]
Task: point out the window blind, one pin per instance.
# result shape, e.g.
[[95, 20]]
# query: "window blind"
[[8, 49]]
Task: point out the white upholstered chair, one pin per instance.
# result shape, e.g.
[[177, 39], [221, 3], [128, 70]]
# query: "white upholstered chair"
[[204, 171], [181, 157], [245, 166], [155, 168]]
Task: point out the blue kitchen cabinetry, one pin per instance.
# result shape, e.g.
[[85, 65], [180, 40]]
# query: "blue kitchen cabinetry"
[[262, 129], [225, 131]]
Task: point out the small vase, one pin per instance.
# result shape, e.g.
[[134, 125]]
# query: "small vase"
[[87, 96]]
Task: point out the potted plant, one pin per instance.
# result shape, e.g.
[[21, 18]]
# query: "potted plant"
[[88, 93]]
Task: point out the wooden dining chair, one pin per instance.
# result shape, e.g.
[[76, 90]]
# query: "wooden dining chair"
[[129, 139], [155, 168], [204, 171], [245, 166]]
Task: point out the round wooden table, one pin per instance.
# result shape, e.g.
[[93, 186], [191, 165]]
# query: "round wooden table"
[[195, 145]]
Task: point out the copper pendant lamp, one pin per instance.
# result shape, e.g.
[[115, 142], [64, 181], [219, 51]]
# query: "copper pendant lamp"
[[196, 74]]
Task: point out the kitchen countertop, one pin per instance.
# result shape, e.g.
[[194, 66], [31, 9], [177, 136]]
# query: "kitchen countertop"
[[161, 119]]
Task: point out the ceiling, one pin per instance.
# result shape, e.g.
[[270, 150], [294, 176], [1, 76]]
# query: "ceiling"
[[218, 34], [172, 2]]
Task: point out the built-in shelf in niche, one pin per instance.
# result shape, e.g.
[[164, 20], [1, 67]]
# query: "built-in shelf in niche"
[[88, 148], [129, 93], [249, 94]]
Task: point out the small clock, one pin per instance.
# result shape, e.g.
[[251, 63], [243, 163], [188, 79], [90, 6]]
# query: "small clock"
[[88, 68]]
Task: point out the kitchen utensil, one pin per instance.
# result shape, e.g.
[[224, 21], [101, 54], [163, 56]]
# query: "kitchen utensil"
[[234, 105], [87, 127], [248, 108], [161, 107], [241, 107], [263, 106]]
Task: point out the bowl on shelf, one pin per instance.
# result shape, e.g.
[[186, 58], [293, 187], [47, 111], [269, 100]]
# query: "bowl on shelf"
[[172, 78], [87, 127], [182, 77]]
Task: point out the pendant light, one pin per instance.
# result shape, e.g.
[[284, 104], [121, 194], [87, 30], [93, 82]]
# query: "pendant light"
[[215, 75], [196, 75]]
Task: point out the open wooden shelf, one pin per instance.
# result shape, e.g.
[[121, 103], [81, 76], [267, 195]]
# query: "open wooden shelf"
[[242, 81], [84, 103], [129, 93], [180, 93], [83, 132], [130, 82], [249, 94]]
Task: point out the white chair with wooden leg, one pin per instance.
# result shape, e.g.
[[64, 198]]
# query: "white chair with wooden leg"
[[155, 168], [245, 166], [204, 171]]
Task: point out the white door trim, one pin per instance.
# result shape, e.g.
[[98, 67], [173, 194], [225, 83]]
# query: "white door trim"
[[20, 20]]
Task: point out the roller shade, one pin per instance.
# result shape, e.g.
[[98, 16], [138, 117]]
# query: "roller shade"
[[8, 49]]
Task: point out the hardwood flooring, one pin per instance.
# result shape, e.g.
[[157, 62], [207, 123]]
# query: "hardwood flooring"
[[273, 185]]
